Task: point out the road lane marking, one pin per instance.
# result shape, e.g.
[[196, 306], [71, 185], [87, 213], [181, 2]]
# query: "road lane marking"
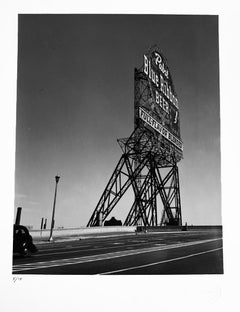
[[58, 251], [78, 260], [106, 256], [135, 235], [43, 254], [49, 248], [160, 262]]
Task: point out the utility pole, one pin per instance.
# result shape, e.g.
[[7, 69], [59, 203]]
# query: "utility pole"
[[45, 224], [53, 213], [18, 217], [41, 228]]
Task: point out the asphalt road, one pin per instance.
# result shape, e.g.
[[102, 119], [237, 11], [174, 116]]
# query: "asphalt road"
[[191, 252]]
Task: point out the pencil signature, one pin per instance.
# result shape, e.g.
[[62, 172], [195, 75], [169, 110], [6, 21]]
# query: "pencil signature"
[[15, 279]]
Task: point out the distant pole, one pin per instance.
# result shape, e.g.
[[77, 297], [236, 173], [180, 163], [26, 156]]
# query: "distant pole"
[[45, 224], [18, 217], [41, 225], [54, 204]]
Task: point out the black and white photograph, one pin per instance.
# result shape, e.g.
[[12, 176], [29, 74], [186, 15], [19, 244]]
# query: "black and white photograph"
[[117, 145], [119, 156]]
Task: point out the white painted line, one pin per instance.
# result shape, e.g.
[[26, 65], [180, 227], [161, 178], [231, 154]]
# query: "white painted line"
[[125, 234], [40, 254], [106, 256], [58, 251], [160, 262]]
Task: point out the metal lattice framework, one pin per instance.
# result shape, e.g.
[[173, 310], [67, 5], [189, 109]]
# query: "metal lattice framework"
[[148, 165], [146, 180]]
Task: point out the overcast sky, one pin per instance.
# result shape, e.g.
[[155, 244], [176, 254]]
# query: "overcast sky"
[[75, 97]]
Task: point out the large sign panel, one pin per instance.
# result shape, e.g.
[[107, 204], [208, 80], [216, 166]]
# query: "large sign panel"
[[159, 128], [158, 107]]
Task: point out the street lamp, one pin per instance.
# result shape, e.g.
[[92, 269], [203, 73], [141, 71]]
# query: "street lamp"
[[53, 213]]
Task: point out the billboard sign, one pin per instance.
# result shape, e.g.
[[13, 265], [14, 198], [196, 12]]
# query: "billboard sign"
[[159, 128], [156, 102]]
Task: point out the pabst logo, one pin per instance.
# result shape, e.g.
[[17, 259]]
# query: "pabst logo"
[[159, 63]]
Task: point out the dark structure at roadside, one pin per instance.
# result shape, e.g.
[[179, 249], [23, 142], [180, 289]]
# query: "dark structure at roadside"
[[112, 222]]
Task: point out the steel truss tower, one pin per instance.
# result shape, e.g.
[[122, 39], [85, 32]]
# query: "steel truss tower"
[[147, 180], [149, 166]]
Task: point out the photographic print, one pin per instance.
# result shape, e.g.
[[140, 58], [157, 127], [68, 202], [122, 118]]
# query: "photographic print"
[[117, 165]]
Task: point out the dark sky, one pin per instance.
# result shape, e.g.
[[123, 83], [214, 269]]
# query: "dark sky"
[[75, 98]]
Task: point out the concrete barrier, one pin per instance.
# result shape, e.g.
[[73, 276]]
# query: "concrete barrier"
[[83, 231]]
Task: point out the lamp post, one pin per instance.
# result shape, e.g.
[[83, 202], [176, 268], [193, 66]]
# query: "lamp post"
[[53, 213]]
